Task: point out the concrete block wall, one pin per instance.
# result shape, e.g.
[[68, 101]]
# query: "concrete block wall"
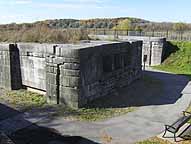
[[5, 67], [125, 61], [71, 74], [153, 47], [33, 64]]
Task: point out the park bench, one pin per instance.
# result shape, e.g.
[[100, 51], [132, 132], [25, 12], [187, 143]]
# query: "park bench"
[[174, 128]]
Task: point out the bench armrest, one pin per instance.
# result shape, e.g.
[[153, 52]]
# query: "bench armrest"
[[168, 126], [185, 112]]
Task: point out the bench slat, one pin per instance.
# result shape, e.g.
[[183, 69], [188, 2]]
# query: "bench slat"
[[179, 123]]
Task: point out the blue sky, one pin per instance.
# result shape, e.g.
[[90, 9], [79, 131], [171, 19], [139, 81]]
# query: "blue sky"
[[34, 10]]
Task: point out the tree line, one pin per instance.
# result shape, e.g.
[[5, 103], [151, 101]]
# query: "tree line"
[[124, 23]]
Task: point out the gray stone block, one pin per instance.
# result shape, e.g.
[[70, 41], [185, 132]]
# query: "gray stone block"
[[67, 81], [52, 90], [51, 78], [68, 72], [71, 66], [69, 91]]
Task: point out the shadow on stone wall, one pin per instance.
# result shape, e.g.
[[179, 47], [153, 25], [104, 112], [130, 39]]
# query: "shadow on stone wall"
[[157, 89], [15, 67], [170, 48]]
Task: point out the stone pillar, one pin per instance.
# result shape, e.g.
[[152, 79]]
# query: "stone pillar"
[[70, 84], [52, 81]]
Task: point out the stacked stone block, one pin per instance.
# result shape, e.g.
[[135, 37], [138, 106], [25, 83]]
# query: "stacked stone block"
[[52, 81], [95, 82], [69, 83]]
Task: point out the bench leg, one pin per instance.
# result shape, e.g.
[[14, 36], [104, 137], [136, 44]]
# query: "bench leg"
[[164, 133], [175, 137]]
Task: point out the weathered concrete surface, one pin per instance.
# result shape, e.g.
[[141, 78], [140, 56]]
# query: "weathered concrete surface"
[[146, 122], [33, 64], [153, 47]]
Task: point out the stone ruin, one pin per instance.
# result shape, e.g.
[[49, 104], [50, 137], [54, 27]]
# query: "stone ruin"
[[71, 74]]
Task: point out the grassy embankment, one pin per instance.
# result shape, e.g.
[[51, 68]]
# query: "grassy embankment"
[[179, 62]]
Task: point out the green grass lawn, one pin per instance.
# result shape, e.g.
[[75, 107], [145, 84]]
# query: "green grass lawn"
[[22, 100], [178, 62]]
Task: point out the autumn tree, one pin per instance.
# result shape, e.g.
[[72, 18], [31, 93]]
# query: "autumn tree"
[[124, 25], [179, 26]]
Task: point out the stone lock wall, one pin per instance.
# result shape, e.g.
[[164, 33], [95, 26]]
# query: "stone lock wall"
[[70, 74], [153, 47], [108, 67], [33, 64]]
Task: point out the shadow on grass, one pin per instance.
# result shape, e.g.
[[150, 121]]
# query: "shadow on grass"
[[155, 89], [170, 48], [187, 75]]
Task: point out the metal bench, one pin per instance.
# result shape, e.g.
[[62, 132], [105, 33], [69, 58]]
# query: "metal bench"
[[174, 128]]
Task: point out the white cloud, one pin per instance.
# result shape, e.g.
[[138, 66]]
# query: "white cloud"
[[74, 4], [56, 6], [23, 1]]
